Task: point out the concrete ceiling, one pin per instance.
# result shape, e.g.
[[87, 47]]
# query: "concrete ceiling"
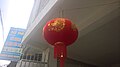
[[99, 31], [100, 46]]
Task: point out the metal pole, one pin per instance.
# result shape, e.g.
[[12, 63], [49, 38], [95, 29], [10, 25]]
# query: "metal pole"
[[2, 24]]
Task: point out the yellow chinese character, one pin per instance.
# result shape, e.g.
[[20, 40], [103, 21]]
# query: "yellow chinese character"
[[18, 39], [13, 32], [21, 33]]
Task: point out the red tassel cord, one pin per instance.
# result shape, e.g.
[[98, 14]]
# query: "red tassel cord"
[[60, 52]]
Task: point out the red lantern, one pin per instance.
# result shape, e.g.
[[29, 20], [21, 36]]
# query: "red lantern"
[[60, 33]]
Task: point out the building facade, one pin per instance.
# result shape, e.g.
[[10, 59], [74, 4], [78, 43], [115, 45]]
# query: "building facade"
[[96, 46]]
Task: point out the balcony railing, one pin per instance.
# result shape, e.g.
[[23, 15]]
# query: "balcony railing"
[[34, 59], [31, 63]]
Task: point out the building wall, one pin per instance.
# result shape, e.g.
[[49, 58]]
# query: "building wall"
[[37, 8], [115, 65], [74, 63], [112, 65], [52, 62]]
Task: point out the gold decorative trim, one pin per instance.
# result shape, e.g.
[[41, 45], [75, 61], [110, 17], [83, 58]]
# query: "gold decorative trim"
[[57, 25]]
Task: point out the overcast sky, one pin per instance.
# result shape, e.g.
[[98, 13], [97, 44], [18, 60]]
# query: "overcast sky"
[[15, 13]]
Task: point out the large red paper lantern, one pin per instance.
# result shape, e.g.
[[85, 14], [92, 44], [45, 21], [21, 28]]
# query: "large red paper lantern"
[[60, 33]]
